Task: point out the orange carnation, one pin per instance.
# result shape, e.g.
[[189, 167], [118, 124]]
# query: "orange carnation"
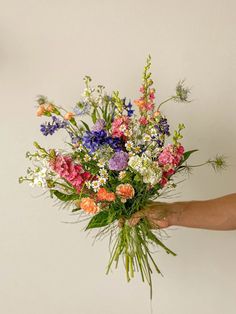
[[40, 111], [68, 115], [89, 205], [125, 191], [104, 195]]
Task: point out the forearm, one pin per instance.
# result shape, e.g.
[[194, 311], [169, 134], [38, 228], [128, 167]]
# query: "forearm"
[[215, 214]]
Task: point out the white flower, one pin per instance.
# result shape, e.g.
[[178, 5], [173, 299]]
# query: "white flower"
[[146, 137], [101, 163], [122, 175], [102, 180], [88, 184], [123, 128], [153, 132], [135, 162], [87, 158], [80, 147], [103, 173], [129, 145], [95, 185], [128, 133]]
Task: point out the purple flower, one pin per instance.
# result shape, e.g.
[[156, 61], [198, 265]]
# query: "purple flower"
[[163, 126], [93, 140], [99, 125], [50, 128], [119, 161]]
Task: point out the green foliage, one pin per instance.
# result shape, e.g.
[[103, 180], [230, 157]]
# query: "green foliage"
[[186, 155], [103, 218], [86, 125], [76, 209], [177, 134], [65, 197]]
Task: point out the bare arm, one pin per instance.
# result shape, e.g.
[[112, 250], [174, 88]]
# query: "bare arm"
[[214, 214]]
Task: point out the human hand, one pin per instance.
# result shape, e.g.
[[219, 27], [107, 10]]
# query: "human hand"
[[157, 213]]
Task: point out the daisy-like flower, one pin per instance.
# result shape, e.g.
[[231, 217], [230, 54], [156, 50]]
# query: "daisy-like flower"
[[102, 180], [101, 163], [87, 158], [129, 145], [95, 185], [103, 173], [128, 133], [137, 149]]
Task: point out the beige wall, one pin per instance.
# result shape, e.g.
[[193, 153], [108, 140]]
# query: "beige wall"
[[46, 47]]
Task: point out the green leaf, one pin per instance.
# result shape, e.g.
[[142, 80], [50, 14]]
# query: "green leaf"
[[56, 111], [94, 115], [187, 154], [76, 209], [65, 197], [102, 219], [86, 125], [73, 122]]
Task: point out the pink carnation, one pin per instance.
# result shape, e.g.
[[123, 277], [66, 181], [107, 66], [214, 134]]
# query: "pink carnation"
[[67, 169]]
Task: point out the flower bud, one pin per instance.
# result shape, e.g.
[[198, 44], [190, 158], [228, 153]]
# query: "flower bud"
[[40, 111], [68, 115], [50, 107], [156, 114]]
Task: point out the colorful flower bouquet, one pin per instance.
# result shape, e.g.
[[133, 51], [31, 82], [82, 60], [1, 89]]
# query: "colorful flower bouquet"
[[114, 168]]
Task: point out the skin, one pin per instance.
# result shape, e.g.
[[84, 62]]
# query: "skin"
[[213, 214]]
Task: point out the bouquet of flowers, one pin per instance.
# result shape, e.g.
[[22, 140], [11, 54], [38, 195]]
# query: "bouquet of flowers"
[[114, 166]]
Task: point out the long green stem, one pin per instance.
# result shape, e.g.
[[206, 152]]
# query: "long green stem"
[[162, 103]]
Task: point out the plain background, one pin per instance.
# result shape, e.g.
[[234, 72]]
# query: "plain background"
[[46, 47]]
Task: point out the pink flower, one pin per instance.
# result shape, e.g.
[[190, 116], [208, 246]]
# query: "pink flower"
[[149, 106], [152, 96], [143, 120], [171, 155], [67, 169], [163, 181], [142, 89], [119, 126]]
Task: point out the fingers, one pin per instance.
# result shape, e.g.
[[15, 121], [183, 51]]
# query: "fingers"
[[135, 218], [134, 221], [161, 223]]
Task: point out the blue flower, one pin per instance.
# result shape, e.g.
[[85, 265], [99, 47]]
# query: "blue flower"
[[128, 108], [50, 128], [93, 140]]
